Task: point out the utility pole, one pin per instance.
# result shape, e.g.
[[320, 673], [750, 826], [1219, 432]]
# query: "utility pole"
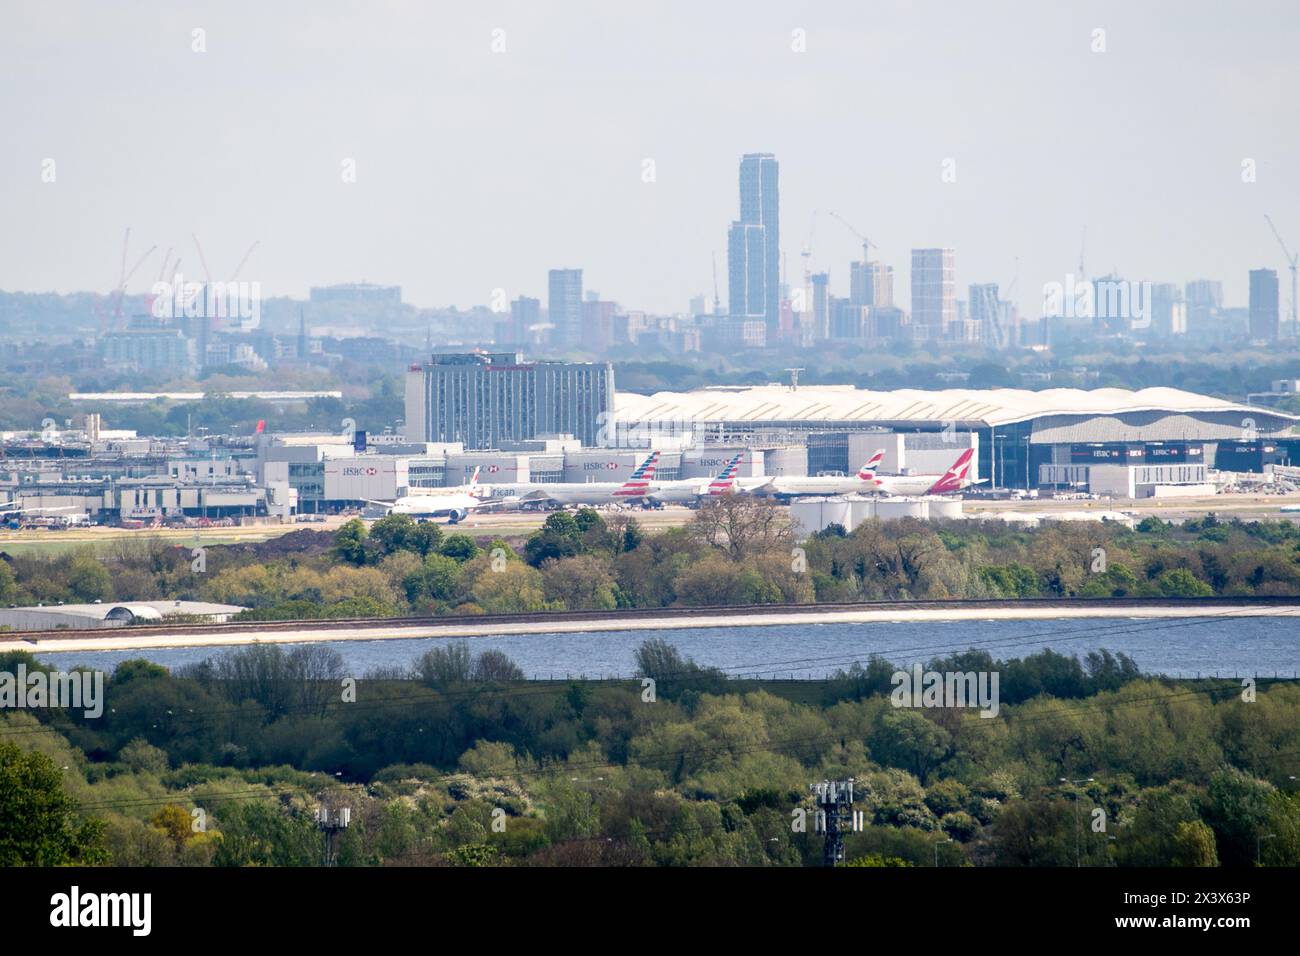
[[835, 813], [330, 824], [1078, 856]]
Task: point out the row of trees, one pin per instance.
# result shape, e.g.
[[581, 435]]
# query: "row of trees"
[[454, 760], [734, 551]]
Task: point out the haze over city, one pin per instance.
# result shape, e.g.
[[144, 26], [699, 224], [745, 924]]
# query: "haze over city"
[[477, 170]]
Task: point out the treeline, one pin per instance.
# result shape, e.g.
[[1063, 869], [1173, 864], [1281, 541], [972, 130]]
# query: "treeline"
[[454, 761], [734, 551]]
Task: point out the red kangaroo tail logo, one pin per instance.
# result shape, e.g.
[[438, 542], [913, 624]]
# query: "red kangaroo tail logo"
[[639, 484], [868, 471], [725, 483], [954, 479]]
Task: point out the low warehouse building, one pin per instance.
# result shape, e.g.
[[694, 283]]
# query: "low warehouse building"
[[111, 614]]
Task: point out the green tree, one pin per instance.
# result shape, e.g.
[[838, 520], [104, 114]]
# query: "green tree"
[[460, 547], [89, 580], [350, 542], [1193, 845], [393, 533], [39, 825], [1181, 583]]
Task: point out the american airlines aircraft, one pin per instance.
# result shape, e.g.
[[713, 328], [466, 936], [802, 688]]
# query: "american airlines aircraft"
[[690, 490], [800, 485], [954, 479], [633, 491]]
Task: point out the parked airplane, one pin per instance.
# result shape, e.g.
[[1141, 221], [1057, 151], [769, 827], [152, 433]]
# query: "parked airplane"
[[954, 479], [454, 504], [690, 490], [634, 490], [801, 485]]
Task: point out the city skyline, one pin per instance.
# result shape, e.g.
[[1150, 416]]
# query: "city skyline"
[[641, 201]]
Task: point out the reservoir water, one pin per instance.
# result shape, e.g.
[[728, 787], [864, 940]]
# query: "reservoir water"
[[1177, 647]]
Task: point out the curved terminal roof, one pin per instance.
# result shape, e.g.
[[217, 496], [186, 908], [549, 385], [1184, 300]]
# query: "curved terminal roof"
[[990, 407]]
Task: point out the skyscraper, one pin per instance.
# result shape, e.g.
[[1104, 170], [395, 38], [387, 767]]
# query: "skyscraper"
[[754, 245], [1168, 310], [1204, 302], [525, 313], [1263, 305], [934, 292], [871, 283], [564, 306]]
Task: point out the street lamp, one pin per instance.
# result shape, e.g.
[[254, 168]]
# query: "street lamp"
[[1078, 859]]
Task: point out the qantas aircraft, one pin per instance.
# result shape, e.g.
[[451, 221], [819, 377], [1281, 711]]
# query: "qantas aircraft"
[[954, 479], [633, 491], [799, 486], [454, 504]]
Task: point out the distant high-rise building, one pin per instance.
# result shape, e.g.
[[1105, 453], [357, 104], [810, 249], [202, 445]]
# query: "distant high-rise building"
[[598, 324], [754, 245], [989, 315], [1117, 303], [486, 399], [821, 311], [564, 306], [847, 321], [1168, 310], [746, 283], [871, 283], [934, 292], [525, 315], [1263, 305], [1204, 302]]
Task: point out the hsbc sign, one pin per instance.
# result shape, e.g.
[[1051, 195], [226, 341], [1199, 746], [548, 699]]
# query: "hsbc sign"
[[358, 471]]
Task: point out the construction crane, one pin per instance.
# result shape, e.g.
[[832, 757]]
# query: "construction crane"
[[235, 275], [867, 244], [112, 317], [1291, 264]]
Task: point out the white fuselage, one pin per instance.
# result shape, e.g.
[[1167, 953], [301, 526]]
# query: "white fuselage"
[[434, 506], [572, 493], [913, 485], [678, 492], [795, 486]]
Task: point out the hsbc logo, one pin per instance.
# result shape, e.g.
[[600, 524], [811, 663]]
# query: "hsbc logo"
[[356, 471], [600, 466]]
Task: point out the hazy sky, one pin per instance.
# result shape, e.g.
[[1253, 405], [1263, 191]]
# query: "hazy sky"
[[478, 170]]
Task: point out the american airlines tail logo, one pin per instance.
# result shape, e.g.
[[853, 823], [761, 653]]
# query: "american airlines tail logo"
[[954, 479], [724, 484], [639, 484]]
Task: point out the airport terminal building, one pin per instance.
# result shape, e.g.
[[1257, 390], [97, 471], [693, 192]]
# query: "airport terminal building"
[[1024, 439]]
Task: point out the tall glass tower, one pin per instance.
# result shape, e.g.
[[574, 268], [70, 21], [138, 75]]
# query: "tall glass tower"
[[754, 245]]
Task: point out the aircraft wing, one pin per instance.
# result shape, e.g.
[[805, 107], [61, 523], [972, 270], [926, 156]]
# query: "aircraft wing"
[[536, 495]]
